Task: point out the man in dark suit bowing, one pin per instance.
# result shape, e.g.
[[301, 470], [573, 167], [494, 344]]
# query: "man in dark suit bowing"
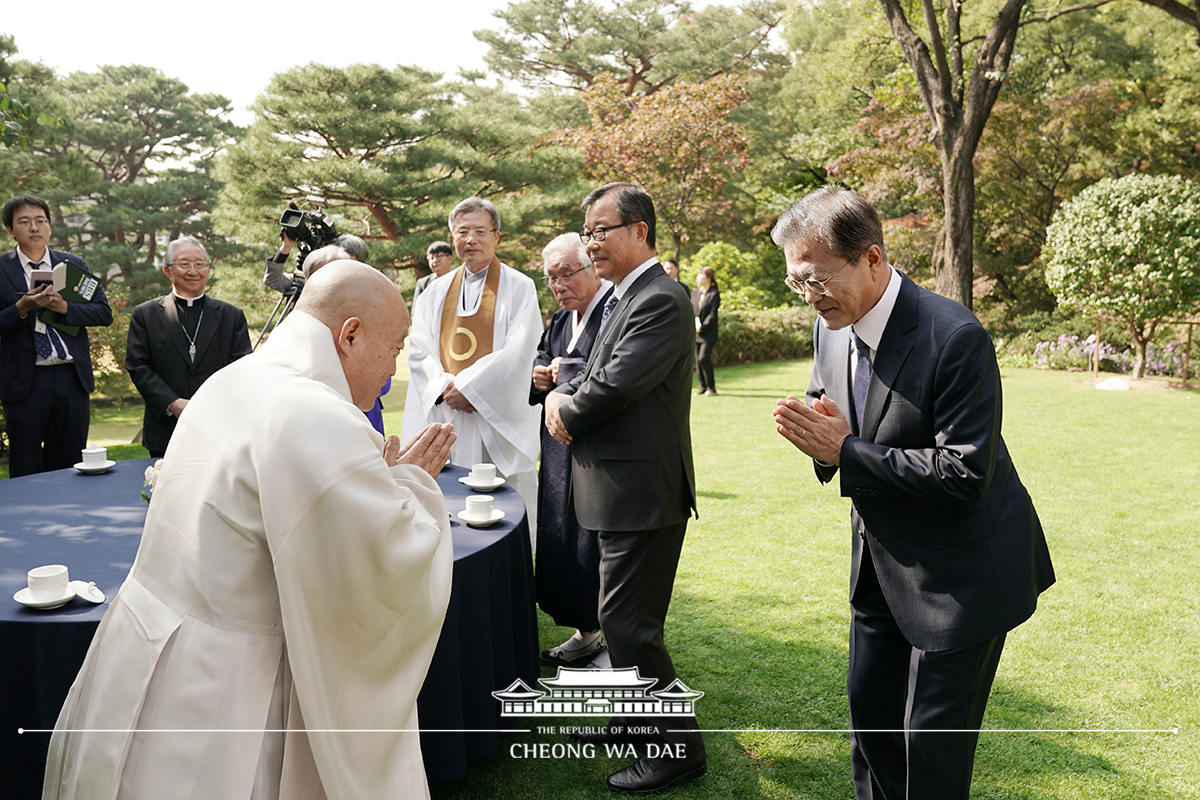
[[948, 554], [626, 418], [45, 361], [177, 341]]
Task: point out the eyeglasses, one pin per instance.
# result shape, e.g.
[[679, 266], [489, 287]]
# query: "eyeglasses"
[[25, 223], [561, 279], [812, 284], [478, 233], [598, 233], [187, 266]]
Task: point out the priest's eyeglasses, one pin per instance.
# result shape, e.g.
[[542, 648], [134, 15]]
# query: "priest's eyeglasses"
[[599, 232], [812, 284], [552, 280], [188, 266]]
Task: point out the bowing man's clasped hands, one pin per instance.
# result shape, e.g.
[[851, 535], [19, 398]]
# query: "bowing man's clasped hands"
[[817, 432]]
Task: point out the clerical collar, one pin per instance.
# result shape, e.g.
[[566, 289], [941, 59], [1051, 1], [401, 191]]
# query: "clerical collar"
[[188, 300]]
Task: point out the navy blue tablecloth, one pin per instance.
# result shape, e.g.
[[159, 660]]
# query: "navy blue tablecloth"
[[93, 524]]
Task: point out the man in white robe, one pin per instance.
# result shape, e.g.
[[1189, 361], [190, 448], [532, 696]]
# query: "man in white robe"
[[278, 622], [475, 375]]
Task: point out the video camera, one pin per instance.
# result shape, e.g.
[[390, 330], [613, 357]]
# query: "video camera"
[[310, 230]]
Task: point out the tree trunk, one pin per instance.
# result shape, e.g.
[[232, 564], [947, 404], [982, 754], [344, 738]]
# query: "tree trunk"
[[1139, 359], [954, 269]]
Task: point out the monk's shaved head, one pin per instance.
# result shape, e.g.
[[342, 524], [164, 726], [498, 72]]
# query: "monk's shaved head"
[[368, 320], [343, 289]]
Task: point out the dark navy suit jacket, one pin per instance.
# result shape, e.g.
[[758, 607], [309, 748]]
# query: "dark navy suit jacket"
[[953, 534], [17, 353]]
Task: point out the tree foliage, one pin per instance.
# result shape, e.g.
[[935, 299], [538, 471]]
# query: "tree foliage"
[[127, 168], [645, 44], [391, 151], [1126, 248], [679, 144]]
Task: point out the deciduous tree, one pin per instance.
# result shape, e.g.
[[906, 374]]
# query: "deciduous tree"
[[678, 143], [1126, 248]]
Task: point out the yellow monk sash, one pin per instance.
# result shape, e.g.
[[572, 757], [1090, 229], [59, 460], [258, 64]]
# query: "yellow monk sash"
[[465, 340]]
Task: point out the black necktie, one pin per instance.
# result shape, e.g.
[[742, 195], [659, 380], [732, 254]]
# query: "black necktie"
[[862, 379]]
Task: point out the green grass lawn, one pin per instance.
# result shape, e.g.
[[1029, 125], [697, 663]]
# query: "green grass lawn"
[[760, 615]]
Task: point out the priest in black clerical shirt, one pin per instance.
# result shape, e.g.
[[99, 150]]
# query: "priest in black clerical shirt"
[[177, 341]]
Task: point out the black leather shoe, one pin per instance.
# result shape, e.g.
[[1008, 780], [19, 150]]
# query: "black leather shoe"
[[652, 774]]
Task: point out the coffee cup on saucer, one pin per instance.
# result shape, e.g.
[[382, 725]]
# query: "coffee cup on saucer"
[[483, 478], [49, 587], [48, 583], [483, 473], [95, 461], [481, 511], [480, 507]]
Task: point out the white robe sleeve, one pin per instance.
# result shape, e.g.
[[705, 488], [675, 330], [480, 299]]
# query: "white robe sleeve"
[[364, 580]]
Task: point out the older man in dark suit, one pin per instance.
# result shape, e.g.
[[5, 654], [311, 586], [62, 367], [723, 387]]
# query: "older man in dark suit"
[[948, 554], [45, 361], [177, 341], [626, 417]]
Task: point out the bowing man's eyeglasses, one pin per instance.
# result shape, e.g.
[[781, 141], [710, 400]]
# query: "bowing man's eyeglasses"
[[812, 284], [600, 231]]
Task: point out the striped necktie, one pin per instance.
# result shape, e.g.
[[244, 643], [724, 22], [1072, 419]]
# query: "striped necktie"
[[609, 305], [862, 378]]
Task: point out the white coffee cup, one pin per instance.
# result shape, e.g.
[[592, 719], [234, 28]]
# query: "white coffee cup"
[[479, 507], [49, 582], [95, 456], [483, 473]]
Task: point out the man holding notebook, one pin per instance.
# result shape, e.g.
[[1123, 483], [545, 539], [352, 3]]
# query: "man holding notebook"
[[45, 364]]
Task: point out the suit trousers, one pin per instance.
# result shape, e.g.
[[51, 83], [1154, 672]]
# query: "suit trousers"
[[898, 690], [637, 576], [704, 364], [49, 427]]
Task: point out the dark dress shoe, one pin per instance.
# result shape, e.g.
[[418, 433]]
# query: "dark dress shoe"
[[653, 774]]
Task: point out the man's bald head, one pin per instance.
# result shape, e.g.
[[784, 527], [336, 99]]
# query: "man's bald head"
[[368, 319], [346, 288]]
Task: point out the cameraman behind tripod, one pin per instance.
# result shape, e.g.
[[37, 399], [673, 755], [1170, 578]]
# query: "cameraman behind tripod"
[[275, 278]]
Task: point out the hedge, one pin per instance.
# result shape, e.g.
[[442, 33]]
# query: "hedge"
[[748, 336]]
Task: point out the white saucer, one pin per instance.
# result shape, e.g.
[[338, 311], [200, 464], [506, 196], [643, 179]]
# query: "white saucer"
[[487, 486], [26, 599], [105, 467], [87, 590], [475, 522]]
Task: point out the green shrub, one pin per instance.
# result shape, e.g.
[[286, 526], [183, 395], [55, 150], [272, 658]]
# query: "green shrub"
[[748, 336]]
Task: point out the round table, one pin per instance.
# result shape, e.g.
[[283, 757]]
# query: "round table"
[[93, 524]]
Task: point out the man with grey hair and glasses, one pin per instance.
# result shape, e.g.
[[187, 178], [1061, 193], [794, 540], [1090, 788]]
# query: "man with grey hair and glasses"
[[178, 341], [948, 555], [568, 563], [474, 335]]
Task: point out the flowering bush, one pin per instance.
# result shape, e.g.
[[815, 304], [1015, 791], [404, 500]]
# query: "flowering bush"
[[1072, 352]]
